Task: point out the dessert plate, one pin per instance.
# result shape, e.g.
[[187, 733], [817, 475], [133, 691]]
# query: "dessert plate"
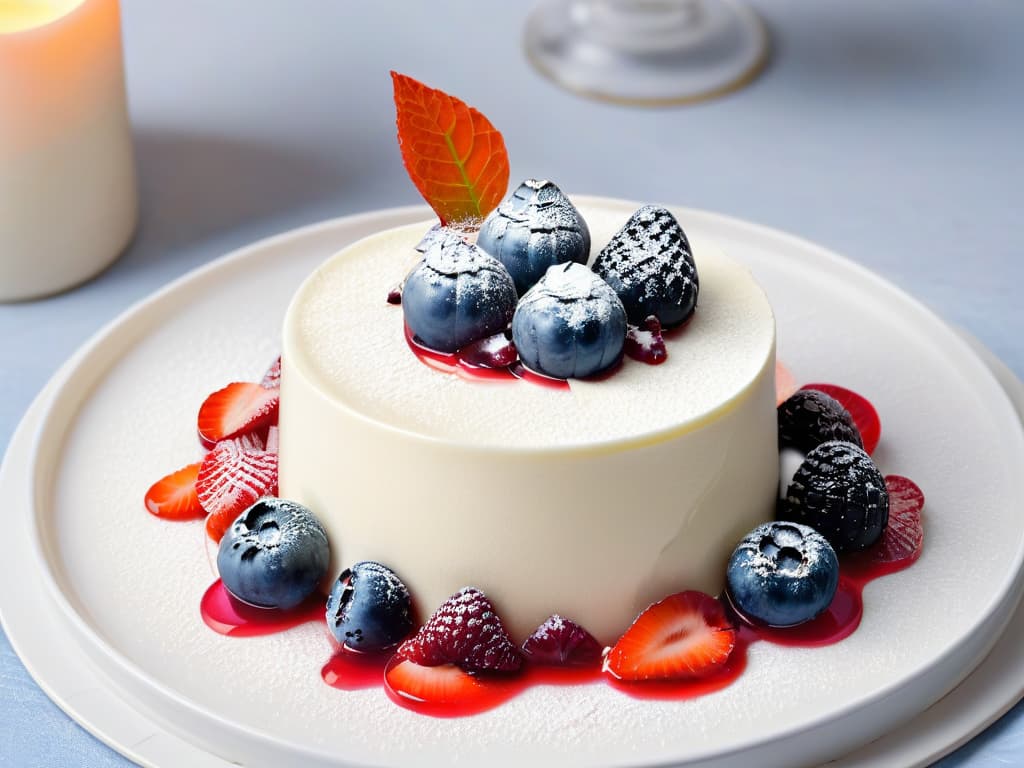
[[122, 589]]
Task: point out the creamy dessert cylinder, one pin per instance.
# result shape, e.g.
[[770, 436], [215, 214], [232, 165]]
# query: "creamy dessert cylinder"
[[590, 502]]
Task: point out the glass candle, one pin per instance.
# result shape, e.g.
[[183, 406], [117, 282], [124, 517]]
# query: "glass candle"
[[68, 201]]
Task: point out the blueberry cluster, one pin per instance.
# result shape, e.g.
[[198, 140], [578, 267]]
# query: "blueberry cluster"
[[528, 268]]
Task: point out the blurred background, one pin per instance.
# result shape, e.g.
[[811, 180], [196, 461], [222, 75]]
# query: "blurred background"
[[888, 132]]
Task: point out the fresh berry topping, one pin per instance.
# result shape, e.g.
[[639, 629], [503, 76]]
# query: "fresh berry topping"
[[809, 418], [562, 642], [860, 409], [685, 635], [840, 493], [274, 554], [369, 608], [465, 631], [453, 154], [272, 378], [495, 351], [232, 477], [570, 324], [645, 343], [903, 539], [782, 574], [534, 228], [649, 265], [174, 497], [442, 685], [238, 409], [785, 384], [456, 295]]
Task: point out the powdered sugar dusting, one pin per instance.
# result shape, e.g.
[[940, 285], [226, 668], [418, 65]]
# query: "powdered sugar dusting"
[[352, 343], [765, 541], [580, 296]]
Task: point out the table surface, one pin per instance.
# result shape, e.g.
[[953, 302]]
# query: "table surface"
[[888, 132]]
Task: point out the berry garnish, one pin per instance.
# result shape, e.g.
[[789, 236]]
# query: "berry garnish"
[[174, 497], [272, 378], [442, 685], [465, 631], [860, 409], [453, 154], [840, 493], [274, 554], [809, 418], [782, 574], [649, 265], [456, 295], [901, 544], [534, 228], [562, 642], [369, 608], [232, 477], [686, 635], [237, 409], [785, 384], [645, 343], [570, 324]]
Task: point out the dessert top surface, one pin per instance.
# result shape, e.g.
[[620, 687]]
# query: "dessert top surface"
[[342, 335]]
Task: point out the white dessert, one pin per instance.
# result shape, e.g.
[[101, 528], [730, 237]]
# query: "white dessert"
[[592, 502]]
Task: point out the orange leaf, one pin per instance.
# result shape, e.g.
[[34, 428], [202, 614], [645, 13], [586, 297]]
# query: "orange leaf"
[[453, 154]]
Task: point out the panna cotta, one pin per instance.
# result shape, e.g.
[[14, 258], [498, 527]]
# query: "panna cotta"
[[591, 501]]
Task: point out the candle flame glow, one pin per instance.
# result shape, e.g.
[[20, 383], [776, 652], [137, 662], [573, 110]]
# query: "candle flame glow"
[[20, 15]]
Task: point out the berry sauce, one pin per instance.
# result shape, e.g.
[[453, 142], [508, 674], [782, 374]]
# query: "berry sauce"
[[229, 616], [349, 670]]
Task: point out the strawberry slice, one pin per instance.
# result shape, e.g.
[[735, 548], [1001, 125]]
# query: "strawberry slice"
[[174, 497], [443, 685], [785, 383], [903, 538], [272, 378], [686, 635], [232, 477], [863, 412], [238, 409]]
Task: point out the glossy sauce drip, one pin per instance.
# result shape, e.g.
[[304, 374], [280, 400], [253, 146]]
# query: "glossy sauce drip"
[[353, 671], [229, 616]]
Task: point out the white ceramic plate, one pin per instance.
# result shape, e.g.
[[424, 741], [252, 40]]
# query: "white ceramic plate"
[[125, 587]]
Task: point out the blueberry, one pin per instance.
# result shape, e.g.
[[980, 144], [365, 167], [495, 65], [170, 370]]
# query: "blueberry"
[[570, 324], [839, 492], [456, 294], [809, 418], [649, 265], [369, 608], [782, 574], [534, 228], [274, 554]]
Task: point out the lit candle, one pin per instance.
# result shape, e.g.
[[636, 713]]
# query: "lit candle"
[[67, 179]]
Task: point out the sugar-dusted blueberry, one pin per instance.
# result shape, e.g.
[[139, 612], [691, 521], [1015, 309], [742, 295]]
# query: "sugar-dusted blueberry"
[[782, 574], [534, 228], [274, 554], [808, 418], [456, 294], [369, 608], [649, 265], [839, 492], [570, 324]]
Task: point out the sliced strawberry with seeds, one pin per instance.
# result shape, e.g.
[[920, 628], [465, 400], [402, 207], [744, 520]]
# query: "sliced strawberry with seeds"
[[174, 497], [686, 635], [903, 538], [443, 685], [238, 409], [272, 378], [466, 631], [232, 477], [863, 412]]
